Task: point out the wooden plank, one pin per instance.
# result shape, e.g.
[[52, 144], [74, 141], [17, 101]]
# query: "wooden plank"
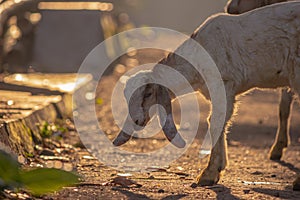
[[65, 83], [22, 113]]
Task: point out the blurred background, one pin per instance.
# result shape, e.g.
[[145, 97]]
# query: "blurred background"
[[179, 15], [56, 36]]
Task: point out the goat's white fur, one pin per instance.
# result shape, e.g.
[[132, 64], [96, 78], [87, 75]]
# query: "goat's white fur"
[[282, 135], [246, 59]]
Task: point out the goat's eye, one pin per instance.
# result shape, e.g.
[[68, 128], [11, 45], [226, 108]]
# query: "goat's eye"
[[148, 95]]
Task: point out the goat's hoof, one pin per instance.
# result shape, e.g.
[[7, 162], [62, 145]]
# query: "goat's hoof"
[[277, 150], [275, 157], [202, 182], [296, 184], [207, 178], [276, 154]]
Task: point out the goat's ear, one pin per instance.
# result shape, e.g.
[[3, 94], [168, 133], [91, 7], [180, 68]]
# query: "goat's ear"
[[166, 118], [124, 135], [164, 99]]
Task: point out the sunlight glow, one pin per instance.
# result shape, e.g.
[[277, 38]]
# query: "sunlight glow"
[[67, 87], [76, 6], [10, 102], [66, 83], [19, 77]]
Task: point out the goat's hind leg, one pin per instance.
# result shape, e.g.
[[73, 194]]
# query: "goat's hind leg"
[[282, 136], [218, 158], [296, 89], [296, 184]]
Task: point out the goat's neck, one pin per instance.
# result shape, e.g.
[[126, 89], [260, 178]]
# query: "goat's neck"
[[179, 76]]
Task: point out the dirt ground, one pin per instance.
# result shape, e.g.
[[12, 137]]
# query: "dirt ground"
[[249, 175]]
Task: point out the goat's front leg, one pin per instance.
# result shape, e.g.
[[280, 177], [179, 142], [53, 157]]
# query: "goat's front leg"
[[218, 158], [282, 136]]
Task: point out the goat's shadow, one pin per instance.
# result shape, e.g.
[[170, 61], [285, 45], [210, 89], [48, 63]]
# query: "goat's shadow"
[[174, 197], [133, 196], [282, 194], [223, 192], [288, 165]]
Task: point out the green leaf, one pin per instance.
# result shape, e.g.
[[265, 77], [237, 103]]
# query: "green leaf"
[[42, 181], [9, 170]]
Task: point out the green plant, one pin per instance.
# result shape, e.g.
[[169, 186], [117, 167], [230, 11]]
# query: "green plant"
[[48, 129], [37, 181]]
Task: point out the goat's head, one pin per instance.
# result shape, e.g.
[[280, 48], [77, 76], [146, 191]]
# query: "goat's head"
[[141, 94]]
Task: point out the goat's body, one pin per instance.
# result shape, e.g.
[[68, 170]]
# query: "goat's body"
[[286, 99], [261, 56], [243, 55]]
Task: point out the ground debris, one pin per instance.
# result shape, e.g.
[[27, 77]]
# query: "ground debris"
[[161, 191], [123, 182], [257, 173], [182, 174], [246, 191], [156, 169]]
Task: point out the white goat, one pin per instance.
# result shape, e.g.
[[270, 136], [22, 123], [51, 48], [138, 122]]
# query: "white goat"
[[282, 136], [246, 59]]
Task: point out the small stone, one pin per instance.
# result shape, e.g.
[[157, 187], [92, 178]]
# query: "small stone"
[[194, 185], [47, 152], [124, 174], [151, 177], [246, 191], [273, 176], [21, 159], [181, 174], [161, 191], [120, 69], [87, 157], [257, 173]]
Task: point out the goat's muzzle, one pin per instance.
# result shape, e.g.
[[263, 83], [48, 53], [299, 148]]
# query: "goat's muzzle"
[[166, 121]]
